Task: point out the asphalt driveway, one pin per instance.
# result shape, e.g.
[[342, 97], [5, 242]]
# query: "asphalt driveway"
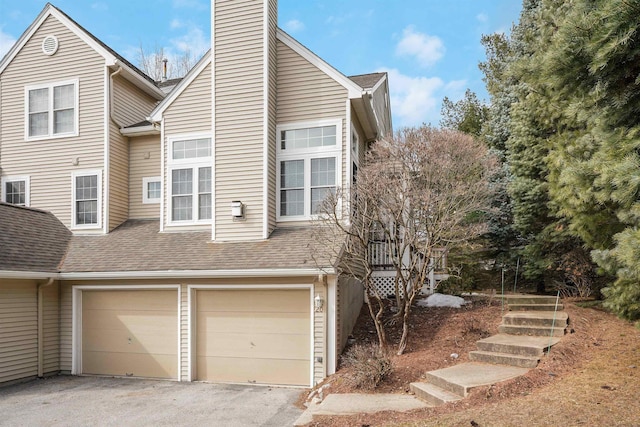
[[91, 401]]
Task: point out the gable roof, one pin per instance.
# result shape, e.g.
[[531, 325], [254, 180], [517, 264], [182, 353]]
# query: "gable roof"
[[31, 240], [368, 81], [112, 58]]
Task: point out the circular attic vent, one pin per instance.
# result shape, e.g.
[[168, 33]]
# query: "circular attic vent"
[[50, 45]]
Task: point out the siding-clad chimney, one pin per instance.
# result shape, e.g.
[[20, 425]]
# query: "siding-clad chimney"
[[244, 94]]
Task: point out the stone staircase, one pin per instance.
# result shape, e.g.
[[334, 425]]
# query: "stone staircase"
[[526, 333]]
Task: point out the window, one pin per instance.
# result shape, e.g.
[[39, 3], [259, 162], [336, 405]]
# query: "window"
[[355, 154], [15, 190], [309, 156], [190, 175], [87, 195], [51, 110], [151, 190]]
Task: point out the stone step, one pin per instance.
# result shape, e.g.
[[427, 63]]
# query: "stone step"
[[530, 299], [539, 331], [519, 345], [461, 378], [536, 318], [433, 394], [504, 359], [535, 307]]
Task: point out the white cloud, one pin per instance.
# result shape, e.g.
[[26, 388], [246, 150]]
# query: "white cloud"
[[189, 4], [482, 17], [193, 42], [425, 48], [100, 6], [6, 42], [294, 26], [414, 100], [175, 24]]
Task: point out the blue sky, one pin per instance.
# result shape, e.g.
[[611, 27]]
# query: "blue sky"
[[430, 48]]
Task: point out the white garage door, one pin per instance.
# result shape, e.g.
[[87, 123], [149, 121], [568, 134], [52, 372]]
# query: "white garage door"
[[130, 333], [253, 336]]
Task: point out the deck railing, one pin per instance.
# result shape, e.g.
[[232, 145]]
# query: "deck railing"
[[380, 257]]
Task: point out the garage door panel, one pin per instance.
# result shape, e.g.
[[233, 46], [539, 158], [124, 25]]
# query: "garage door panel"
[[260, 336], [129, 364], [256, 300], [271, 346], [259, 322], [129, 300], [130, 332], [120, 341], [261, 371]]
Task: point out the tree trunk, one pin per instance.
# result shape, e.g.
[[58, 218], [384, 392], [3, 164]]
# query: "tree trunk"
[[404, 339], [376, 316]]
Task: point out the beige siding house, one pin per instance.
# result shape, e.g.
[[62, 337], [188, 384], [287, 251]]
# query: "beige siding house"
[[181, 221]]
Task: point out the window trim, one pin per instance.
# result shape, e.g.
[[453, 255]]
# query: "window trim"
[[74, 175], [146, 200], [50, 85], [307, 154], [13, 178], [193, 164]]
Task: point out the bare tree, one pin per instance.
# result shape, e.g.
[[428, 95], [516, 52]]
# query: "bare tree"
[[424, 190], [153, 63]]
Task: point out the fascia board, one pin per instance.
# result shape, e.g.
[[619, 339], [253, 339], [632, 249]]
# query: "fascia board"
[[195, 274]]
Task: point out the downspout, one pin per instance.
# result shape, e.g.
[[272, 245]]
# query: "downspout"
[[41, 326], [107, 154]]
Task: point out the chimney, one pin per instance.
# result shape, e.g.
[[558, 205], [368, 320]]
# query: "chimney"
[[164, 69]]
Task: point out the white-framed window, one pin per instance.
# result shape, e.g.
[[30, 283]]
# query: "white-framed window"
[[16, 190], [151, 190], [309, 159], [51, 110], [190, 164], [355, 154], [87, 198]]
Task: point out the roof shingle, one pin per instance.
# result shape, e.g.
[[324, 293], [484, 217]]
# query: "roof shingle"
[[31, 240]]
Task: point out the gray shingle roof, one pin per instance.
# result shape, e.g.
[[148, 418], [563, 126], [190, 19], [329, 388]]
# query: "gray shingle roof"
[[367, 81], [137, 245], [31, 240]]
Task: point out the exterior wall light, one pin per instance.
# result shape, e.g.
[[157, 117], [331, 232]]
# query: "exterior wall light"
[[237, 210]]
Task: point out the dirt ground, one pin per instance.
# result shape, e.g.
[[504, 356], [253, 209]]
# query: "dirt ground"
[[592, 377]]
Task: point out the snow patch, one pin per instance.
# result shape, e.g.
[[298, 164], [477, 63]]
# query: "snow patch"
[[440, 300]]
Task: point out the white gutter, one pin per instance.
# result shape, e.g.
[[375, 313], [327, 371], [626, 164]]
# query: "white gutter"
[[27, 275], [152, 129], [41, 326], [195, 274]]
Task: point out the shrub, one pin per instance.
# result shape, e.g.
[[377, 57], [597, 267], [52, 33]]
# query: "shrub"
[[368, 364]]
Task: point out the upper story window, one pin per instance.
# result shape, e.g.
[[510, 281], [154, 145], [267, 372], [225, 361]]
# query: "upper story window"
[[151, 190], [355, 154], [15, 190], [308, 167], [51, 110], [87, 198], [190, 186]]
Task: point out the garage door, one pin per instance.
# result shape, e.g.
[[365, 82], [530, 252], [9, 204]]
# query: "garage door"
[[130, 333], [255, 336]]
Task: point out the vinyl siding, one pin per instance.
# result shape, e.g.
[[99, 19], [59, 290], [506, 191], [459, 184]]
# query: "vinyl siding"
[[239, 116], [18, 330], [190, 113], [142, 167], [49, 162], [306, 94], [66, 330], [273, 111], [51, 328], [382, 109], [319, 336], [349, 304], [130, 105]]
